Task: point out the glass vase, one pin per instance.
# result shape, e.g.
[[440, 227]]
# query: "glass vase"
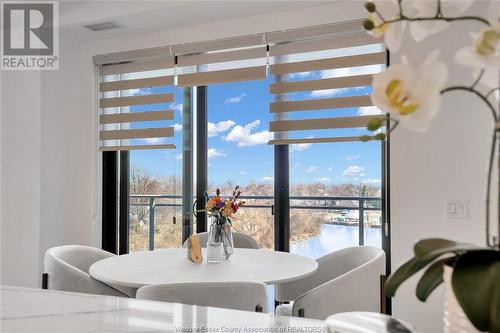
[[220, 231]]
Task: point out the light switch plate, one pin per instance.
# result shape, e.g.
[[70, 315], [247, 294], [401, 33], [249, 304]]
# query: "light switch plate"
[[457, 208]]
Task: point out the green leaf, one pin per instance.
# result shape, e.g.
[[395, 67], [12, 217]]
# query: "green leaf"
[[403, 273], [426, 251], [476, 285], [431, 279], [435, 247]]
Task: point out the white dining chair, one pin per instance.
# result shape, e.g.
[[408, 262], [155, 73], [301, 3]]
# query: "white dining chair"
[[248, 296], [67, 269], [346, 280], [239, 240]]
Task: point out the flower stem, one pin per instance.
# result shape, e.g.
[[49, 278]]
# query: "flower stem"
[[491, 159], [479, 77], [438, 17], [477, 93], [491, 92]]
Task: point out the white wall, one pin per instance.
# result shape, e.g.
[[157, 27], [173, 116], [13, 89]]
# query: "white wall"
[[20, 168], [46, 165], [447, 162], [67, 150]]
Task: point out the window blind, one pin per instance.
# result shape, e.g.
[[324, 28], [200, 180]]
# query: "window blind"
[[324, 84], [320, 77], [134, 105], [223, 66]]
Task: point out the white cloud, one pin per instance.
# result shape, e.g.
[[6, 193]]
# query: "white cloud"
[[341, 72], [220, 127], [244, 137], [267, 178], [140, 91], [235, 99], [350, 71], [368, 111], [301, 146], [352, 157], [176, 107], [300, 75], [311, 169], [372, 181], [213, 153], [152, 141], [330, 169], [243, 172], [354, 171], [177, 127], [323, 179], [327, 92], [178, 156]]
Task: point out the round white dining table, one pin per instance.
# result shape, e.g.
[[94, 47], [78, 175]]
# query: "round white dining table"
[[170, 266]]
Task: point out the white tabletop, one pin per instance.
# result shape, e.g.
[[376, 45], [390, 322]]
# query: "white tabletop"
[[169, 266], [366, 322], [35, 310]]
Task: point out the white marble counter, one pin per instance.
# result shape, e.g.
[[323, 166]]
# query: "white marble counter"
[[36, 310]]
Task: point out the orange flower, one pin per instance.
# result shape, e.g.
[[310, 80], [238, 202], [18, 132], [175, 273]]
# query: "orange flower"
[[228, 211], [210, 204]]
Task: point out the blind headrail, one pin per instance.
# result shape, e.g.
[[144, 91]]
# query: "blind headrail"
[[282, 36]]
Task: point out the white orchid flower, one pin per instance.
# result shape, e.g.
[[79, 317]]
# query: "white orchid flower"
[[484, 52], [392, 32], [411, 95], [426, 8]]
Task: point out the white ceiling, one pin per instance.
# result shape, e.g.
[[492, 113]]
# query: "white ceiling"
[[141, 16]]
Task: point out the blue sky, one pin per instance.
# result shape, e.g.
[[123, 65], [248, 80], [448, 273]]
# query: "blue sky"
[[238, 115]]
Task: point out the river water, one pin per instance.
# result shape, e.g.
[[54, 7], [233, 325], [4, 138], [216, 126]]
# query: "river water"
[[333, 238]]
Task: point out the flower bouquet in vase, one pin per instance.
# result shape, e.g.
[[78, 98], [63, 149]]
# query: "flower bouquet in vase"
[[411, 95], [220, 212]]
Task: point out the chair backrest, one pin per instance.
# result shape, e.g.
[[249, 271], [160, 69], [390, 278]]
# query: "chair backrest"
[[330, 266], [68, 266], [354, 285], [248, 296], [240, 240]]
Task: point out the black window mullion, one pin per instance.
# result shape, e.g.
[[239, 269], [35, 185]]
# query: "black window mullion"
[[201, 156], [109, 201], [281, 198], [124, 199]]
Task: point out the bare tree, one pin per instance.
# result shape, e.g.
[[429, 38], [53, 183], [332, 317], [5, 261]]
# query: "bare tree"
[[141, 182]]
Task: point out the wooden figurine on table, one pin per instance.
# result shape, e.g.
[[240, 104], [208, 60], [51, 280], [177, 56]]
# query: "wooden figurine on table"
[[194, 249]]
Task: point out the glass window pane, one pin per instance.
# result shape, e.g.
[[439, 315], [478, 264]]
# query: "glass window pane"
[[238, 153]]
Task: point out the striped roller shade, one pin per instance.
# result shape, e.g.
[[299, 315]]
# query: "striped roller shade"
[[134, 110], [317, 85]]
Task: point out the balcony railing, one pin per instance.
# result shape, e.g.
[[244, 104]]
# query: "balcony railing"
[[332, 203]]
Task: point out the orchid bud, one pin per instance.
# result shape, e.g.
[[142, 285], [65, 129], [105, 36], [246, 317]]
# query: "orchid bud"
[[380, 136], [368, 25], [374, 124], [365, 138], [370, 7]]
